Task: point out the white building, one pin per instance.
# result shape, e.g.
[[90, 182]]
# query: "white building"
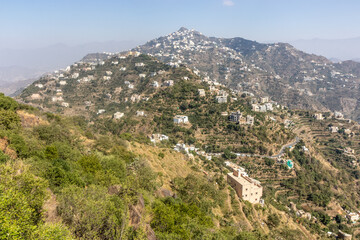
[[62, 83], [169, 83], [100, 111], [75, 75], [353, 217], [57, 99], [178, 119], [118, 115], [201, 92], [140, 113], [158, 137], [255, 108], [250, 120], [155, 84], [142, 75], [333, 129], [318, 116], [269, 107], [262, 108], [264, 100], [338, 115], [221, 99], [65, 104], [140, 64]]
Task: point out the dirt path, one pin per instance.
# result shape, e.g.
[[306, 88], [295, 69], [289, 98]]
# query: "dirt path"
[[50, 205]]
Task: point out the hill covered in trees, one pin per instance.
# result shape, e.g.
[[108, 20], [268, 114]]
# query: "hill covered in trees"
[[79, 142]]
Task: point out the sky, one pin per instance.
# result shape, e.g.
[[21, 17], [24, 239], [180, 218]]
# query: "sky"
[[39, 23]]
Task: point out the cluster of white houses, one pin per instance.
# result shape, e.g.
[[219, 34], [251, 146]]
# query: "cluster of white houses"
[[187, 149], [245, 187], [78, 71]]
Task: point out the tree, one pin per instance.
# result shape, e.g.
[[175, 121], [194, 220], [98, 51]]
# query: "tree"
[[269, 162], [273, 220], [9, 119], [91, 212]]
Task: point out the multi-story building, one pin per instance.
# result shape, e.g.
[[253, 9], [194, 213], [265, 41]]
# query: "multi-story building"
[[245, 187]]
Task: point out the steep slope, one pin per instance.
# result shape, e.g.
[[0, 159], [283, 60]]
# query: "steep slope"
[[287, 75]]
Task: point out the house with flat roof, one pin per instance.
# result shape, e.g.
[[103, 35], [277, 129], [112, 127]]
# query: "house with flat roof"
[[235, 116], [245, 187], [178, 119], [201, 92], [318, 116], [221, 99]]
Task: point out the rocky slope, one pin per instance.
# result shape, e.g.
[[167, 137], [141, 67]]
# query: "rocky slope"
[[287, 75]]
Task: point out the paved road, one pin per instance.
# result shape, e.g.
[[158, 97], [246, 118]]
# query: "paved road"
[[290, 145]]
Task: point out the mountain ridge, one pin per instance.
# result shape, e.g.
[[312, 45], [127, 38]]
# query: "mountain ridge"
[[277, 69]]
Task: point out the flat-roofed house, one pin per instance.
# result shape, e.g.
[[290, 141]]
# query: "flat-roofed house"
[[178, 119], [245, 187]]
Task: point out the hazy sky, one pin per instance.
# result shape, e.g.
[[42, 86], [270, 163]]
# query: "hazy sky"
[[38, 23]]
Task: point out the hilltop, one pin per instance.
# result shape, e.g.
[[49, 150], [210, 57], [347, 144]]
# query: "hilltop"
[[291, 77]]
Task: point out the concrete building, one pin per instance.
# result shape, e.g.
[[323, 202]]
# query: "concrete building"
[[255, 107], [264, 100], [333, 129], [169, 83], [201, 92], [140, 113], [235, 116], [65, 104], [338, 115], [245, 187], [353, 217], [250, 120], [155, 84], [269, 107], [221, 99], [178, 119], [158, 138], [118, 115], [101, 111], [140, 64], [318, 116]]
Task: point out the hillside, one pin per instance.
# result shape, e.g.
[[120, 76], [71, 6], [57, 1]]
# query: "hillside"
[[149, 96], [289, 76], [123, 99]]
